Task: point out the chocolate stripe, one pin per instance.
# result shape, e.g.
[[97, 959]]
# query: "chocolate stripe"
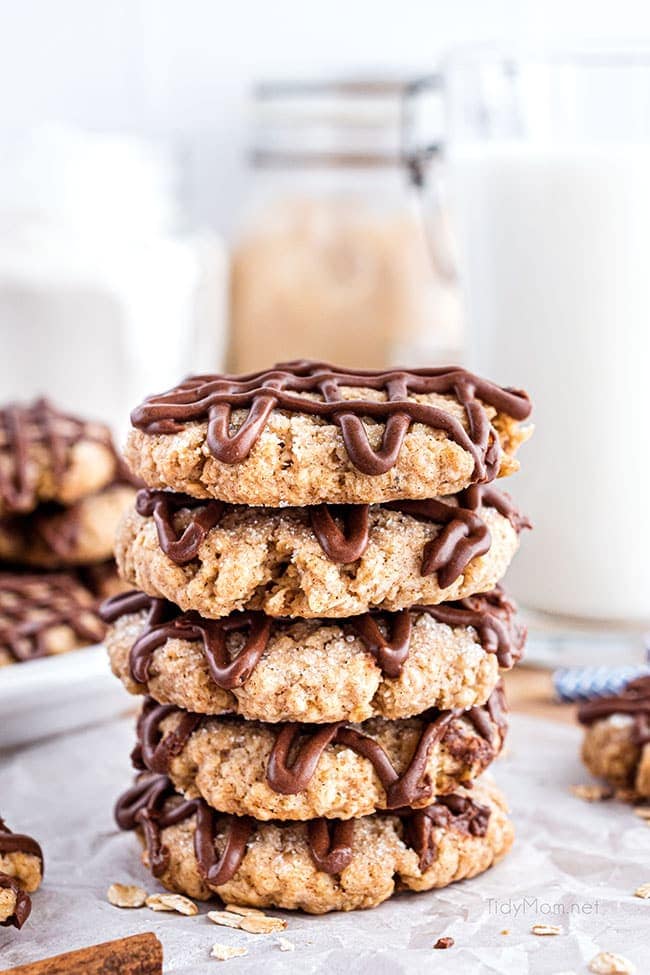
[[291, 387]]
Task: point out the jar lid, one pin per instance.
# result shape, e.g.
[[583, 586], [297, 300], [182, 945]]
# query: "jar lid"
[[348, 122]]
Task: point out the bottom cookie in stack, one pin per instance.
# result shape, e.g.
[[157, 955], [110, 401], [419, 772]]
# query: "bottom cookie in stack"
[[21, 872], [616, 746], [315, 866]]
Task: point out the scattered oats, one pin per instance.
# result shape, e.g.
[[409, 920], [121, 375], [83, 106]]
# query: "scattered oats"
[[126, 895], [226, 952], [172, 902], [592, 793], [224, 919], [643, 891], [643, 812], [545, 929], [607, 963], [259, 924], [443, 943], [244, 911], [285, 945]]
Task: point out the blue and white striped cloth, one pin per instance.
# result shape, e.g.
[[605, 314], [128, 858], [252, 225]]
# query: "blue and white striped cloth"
[[585, 683]]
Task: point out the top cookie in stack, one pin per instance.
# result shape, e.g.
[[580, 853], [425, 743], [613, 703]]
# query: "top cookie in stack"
[[318, 546]]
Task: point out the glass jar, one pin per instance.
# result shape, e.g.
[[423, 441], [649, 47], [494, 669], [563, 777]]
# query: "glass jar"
[[333, 259]]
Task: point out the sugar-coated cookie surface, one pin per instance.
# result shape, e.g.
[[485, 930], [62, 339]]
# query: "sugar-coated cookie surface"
[[390, 665], [304, 433], [315, 866]]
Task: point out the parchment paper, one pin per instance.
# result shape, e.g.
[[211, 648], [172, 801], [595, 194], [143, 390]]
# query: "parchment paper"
[[574, 863]]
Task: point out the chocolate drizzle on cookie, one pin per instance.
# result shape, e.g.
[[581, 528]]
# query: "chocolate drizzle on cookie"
[[387, 636], [343, 530], [297, 748], [153, 805], [17, 843], [33, 605], [448, 812], [41, 426], [318, 389], [633, 700]]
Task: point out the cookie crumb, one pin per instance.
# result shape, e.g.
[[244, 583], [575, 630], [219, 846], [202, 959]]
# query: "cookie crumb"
[[126, 895], [446, 942], [506, 931], [285, 945], [172, 902], [607, 963], [592, 793], [643, 891], [545, 929], [643, 812], [226, 952]]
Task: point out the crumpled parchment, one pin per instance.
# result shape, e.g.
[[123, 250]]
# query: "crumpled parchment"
[[575, 864]]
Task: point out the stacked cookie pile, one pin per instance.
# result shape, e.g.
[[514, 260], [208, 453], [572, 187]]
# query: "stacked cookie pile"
[[318, 630], [63, 490]]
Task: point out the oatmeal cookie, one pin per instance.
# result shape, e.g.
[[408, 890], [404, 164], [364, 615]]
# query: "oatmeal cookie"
[[336, 770], [392, 665], [317, 866], [54, 536], [314, 562], [45, 613], [47, 455], [304, 433]]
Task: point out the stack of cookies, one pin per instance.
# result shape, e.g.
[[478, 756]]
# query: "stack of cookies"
[[63, 490], [319, 631]]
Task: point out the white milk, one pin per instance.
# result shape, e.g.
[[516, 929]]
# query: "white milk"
[[555, 256]]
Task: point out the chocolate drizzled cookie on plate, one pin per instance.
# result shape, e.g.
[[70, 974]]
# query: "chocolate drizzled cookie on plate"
[[44, 614]]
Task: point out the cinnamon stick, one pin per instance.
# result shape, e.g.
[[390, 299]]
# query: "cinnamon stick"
[[140, 954]]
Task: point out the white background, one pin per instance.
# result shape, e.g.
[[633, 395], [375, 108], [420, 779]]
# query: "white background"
[[182, 68]]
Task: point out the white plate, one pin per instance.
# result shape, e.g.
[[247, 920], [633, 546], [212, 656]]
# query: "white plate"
[[45, 697]]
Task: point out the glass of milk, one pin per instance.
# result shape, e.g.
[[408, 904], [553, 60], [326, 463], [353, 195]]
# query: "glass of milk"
[[548, 167]]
